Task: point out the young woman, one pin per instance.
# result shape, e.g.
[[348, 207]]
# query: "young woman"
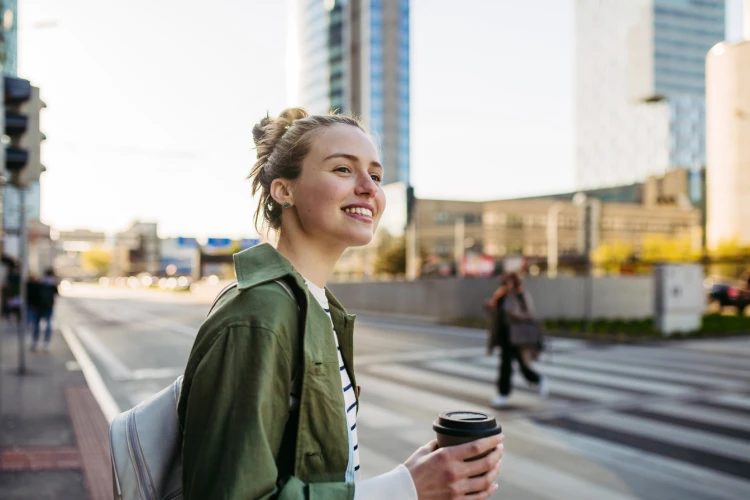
[[269, 401], [519, 312]]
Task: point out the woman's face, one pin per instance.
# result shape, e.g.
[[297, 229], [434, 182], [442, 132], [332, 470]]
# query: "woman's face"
[[338, 195]]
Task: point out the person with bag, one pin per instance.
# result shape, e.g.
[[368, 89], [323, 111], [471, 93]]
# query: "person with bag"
[[269, 400], [496, 311], [520, 341]]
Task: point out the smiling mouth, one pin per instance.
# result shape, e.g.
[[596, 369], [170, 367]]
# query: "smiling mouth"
[[360, 213], [365, 212]]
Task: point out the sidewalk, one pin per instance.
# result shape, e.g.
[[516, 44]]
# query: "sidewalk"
[[53, 436]]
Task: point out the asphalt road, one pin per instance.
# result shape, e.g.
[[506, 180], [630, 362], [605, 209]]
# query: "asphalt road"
[[622, 422]]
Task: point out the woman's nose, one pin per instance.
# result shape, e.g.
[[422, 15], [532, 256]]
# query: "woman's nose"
[[365, 185]]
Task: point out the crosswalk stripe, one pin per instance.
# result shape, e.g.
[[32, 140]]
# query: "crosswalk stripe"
[[616, 381], [557, 386], [672, 434], [536, 476], [411, 400], [703, 482], [622, 357], [708, 416], [736, 347], [683, 356], [378, 417], [393, 343], [422, 355], [473, 390], [527, 472], [659, 470], [735, 400], [655, 373]]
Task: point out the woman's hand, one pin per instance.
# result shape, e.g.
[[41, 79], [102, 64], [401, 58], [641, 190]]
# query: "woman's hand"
[[444, 474]]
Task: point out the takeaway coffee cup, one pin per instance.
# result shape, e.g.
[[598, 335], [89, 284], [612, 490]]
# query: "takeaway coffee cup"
[[459, 427]]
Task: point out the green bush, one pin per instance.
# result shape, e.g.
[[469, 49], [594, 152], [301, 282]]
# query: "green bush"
[[714, 325]]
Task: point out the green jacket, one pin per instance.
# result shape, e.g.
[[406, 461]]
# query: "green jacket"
[[236, 392]]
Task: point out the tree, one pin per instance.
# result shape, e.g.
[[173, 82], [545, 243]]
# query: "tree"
[[611, 256], [729, 259], [392, 259], [96, 261], [667, 249]]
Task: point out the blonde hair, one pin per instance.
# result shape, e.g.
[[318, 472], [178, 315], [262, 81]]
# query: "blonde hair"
[[281, 144]]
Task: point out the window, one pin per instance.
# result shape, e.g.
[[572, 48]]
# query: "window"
[[442, 218], [442, 248], [515, 221], [471, 218]]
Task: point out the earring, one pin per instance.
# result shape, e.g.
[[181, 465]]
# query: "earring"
[[287, 204]]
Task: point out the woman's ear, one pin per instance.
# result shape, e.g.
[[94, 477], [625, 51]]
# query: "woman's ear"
[[281, 191]]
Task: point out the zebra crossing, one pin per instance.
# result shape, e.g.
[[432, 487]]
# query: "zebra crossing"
[[621, 422]]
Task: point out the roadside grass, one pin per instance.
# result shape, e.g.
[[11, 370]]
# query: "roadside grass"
[[715, 325]]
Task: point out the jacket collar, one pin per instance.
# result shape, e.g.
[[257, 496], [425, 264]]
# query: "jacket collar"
[[261, 264]]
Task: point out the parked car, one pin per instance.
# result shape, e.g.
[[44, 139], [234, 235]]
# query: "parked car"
[[733, 295]]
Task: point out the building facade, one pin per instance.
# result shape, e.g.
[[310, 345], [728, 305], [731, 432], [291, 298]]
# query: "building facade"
[[9, 37], [640, 87], [70, 249], [353, 56], [728, 143], [631, 216], [136, 250]]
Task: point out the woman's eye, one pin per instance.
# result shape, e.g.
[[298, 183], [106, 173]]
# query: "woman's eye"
[[342, 168], [375, 177]]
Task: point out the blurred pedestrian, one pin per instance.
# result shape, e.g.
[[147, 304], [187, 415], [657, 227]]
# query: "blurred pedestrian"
[[41, 304], [269, 400], [498, 322], [520, 342]]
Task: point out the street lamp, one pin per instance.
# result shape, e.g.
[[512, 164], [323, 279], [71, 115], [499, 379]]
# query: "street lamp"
[[459, 242], [582, 201]]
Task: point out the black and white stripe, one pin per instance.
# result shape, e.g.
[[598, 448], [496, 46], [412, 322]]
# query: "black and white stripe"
[[350, 399]]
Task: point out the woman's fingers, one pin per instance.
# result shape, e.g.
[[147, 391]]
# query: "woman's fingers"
[[483, 465], [483, 485], [431, 446], [475, 448], [482, 495]]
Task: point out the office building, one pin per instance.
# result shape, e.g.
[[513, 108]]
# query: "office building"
[[353, 56], [640, 87], [136, 250], [9, 37], [728, 141], [633, 217]]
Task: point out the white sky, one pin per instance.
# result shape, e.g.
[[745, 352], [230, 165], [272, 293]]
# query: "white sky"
[[151, 104]]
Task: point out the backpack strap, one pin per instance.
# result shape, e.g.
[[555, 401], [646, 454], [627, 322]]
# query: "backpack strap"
[[223, 292], [233, 284]]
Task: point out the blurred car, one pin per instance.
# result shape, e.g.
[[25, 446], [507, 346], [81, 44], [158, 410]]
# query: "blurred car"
[[733, 295]]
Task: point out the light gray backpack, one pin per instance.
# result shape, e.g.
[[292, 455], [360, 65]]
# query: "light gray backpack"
[[146, 442]]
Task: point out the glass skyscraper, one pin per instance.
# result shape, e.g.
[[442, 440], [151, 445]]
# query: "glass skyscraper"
[[684, 32], [9, 36], [353, 56], [640, 86]]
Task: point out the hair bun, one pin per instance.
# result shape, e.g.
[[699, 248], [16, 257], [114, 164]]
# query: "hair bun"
[[268, 131]]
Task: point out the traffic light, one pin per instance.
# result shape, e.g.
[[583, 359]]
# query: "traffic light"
[[23, 148]]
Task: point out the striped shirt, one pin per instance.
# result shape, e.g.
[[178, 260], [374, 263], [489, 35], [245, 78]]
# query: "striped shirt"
[[350, 400]]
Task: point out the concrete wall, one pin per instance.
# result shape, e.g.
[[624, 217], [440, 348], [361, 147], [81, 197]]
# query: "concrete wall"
[[447, 298]]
